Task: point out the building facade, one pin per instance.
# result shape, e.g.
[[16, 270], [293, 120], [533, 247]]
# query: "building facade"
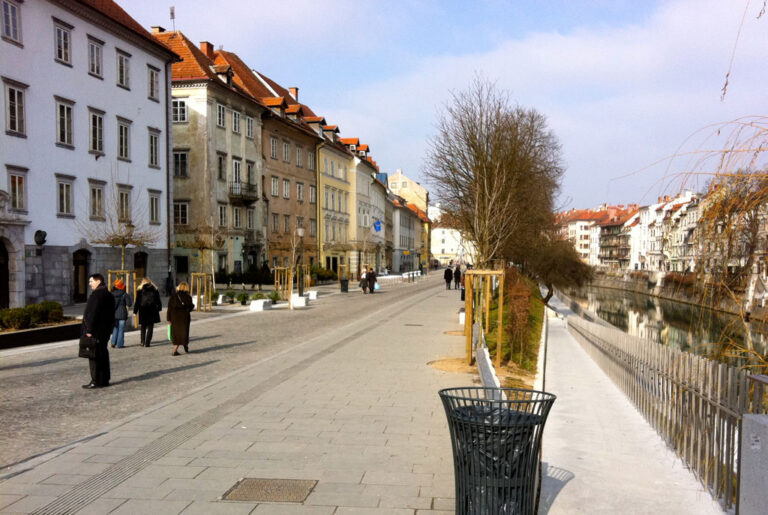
[[85, 149]]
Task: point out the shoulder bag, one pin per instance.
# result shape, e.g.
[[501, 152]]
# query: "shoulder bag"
[[88, 347]]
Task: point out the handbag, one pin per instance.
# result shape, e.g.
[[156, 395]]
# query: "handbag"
[[376, 286], [169, 331], [88, 347]]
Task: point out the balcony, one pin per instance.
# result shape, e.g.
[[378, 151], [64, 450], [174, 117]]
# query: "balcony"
[[243, 192]]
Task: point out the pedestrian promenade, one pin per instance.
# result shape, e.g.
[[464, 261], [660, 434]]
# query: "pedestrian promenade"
[[599, 454], [355, 410]]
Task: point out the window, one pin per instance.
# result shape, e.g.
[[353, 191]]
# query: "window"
[[312, 227], [64, 204], [327, 233], [236, 122], [287, 223], [393, 185], [221, 115], [275, 222], [333, 201], [180, 160], [95, 56], [14, 108], [17, 186], [248, 127], [299, 222], [286, 152], [327, 206], [286, 188], [64, 122], [273, 148], [299, 154], [154, 148], [404, 184], [123, 69], [63, 41], [179, 111], [275, 187], [222, 215], [325, 165], [312, 194], [123, 139], [249, 218], [250, 173], [299, 192], [311, 160], [237, 165], [153, 83], [96, 133], [154, 207], [124, 203], [181, 213], [97, 200], [11, 21], [222, 167], [236, 217], [333, 169]]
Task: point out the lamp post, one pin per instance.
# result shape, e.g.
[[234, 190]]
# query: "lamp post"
[[300, 281]]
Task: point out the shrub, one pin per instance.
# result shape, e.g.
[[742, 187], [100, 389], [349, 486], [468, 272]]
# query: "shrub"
[[54, 311], [37, 314], [274, 296], [323, 274], [15, 318], [243, 297], [230, 294], [258, 296]]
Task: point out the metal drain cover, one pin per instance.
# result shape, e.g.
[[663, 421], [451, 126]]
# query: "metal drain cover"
[[270, 490]]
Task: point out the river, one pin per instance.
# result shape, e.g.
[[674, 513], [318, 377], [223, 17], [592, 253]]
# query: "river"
[[675, 324]]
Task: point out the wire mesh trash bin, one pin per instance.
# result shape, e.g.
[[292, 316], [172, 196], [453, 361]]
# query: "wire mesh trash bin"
[[495, 435]]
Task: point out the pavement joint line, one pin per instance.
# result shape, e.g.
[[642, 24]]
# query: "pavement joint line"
[[93, 488]]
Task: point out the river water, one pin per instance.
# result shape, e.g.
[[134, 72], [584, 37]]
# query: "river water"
[[675, 324]]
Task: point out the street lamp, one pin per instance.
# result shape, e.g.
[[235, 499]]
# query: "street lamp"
[[300, 233]]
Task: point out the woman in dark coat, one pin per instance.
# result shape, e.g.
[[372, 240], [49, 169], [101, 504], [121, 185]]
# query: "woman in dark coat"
[[178, 314], [371, 278], [148, 307], [448, 276]]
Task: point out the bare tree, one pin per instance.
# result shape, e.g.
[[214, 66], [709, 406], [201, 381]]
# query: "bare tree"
[[493, 166], [205, 239]]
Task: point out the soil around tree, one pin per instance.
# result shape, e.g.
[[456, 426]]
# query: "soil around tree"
[[510, 376]]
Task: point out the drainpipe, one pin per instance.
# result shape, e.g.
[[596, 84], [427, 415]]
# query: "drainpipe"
[[168, 175], [318, 209]]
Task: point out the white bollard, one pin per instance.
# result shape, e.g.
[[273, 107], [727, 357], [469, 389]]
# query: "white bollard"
[[461, 317]]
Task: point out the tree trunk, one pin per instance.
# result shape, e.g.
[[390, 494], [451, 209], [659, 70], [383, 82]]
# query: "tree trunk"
[[550, 292]]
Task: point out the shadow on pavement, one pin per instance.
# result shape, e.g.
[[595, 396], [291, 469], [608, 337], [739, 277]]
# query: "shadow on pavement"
[[218, 347], [553, 481], [158, 373], [38, 363]]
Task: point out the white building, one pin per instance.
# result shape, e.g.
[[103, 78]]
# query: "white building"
[[85, 146], [448, 245]]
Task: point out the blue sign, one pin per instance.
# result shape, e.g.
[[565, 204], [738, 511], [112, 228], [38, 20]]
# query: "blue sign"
[[377, 225]]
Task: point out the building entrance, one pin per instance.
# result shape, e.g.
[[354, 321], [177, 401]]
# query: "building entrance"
[[80, 261]]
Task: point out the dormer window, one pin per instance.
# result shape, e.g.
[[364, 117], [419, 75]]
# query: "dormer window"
[[352, 148]]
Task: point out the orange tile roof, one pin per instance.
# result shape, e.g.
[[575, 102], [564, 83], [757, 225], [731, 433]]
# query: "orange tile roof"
[[293, 109], [113, 11], [334, 128], [350, 141], [363, 147], [273, 101], [195, 64], [315, 119]]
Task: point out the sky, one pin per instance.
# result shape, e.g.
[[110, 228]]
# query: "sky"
[[631, 89]]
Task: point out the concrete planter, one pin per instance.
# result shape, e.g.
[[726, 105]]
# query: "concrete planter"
[[37, 335]]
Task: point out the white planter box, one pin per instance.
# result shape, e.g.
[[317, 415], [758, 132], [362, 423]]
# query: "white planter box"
[[312, 294], [261, 305], [299, 301], [220, 301], [461, 317]]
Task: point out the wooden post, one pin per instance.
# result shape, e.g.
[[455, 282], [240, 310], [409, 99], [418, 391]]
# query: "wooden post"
[[487, 303], [501, 321], [469, 294]]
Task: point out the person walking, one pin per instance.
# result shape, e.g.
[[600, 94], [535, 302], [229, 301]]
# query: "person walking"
[[98, 321], [371, 278], [456, 277], [180, 307], [123, 301], [363, 282], [448, 276], [148, 307]]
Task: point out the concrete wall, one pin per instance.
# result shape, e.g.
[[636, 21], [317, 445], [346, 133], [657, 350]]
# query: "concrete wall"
[[753, 490]]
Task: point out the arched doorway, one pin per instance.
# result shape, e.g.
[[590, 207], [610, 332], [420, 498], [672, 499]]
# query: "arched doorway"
[[140, 265], [5, 285], [80, 261]]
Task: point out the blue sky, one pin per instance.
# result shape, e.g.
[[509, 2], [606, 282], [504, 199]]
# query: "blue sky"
[[624, 84]]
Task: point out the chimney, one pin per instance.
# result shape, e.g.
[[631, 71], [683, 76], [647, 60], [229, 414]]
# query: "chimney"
[[207, 49], [294, 93], [157, 29]]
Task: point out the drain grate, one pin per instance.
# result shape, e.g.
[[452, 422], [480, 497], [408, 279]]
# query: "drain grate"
[[270, 490], [414, 325]]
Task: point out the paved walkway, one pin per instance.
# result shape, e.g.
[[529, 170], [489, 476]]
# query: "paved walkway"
[[355, 409], [599, 453]]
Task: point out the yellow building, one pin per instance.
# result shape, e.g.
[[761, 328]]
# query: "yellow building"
[[418, 196]]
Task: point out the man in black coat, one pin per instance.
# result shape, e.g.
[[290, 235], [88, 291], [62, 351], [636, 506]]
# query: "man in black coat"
[[98, 322], [448, 276]]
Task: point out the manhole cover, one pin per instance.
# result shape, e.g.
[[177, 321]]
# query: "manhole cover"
[[270, 490], [414, 325]]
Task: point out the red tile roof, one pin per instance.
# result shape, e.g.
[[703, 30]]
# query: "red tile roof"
[[195, 64], [113, 11], [350, 141], [315, 119], [273, 101], [363, 147]]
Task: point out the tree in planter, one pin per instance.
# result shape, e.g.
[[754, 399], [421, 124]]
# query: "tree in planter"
[[205, 240]]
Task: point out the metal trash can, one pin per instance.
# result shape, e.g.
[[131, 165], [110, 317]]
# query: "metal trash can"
[[344, 283], [495, 435]]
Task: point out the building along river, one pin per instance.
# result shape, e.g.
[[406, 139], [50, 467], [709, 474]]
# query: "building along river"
[[686, 327]]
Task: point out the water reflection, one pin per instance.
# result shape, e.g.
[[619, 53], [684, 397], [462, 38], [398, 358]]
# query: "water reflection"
[[675, 324]]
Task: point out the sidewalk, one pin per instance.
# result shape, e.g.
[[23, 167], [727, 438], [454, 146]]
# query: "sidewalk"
[[356, 410], [599, 453]]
